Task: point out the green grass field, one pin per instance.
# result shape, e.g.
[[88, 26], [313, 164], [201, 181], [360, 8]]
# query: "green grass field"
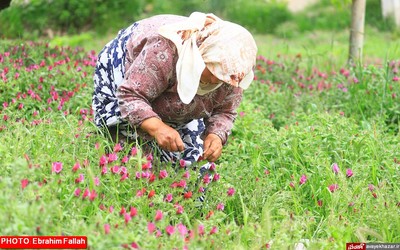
[[313, 157]]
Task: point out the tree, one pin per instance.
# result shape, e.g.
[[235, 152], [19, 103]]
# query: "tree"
[[357, 30]]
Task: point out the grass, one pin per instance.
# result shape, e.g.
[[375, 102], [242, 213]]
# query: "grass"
[[277, 185]]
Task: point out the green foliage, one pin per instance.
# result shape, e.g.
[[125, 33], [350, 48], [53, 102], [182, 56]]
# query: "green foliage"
[[65, 16], [259, 16]]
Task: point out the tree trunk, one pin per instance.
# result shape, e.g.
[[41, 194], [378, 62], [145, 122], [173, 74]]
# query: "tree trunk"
[[357, 30]]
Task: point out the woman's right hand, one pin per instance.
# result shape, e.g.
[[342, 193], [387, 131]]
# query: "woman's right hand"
[[166, 137]]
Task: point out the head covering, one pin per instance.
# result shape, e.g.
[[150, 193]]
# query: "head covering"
[[203, 40]]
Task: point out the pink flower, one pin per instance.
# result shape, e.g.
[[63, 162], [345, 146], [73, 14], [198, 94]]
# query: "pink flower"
[[187, 195], [127, 218], [220, 206], [170, 229], [168, 198], [182, 163], [133, 211], [303, 179], [319, 203], [85, 194], [115, 170], [24, 183], [112, 157], [396, 78], [104, 170], [76, 167], [163, 174], [125, 159], [111, 209], [212, 166], [103, 160], [92, 195], [106, 228], [133, 151], [77, 192], [117, 148], [80, 179], [333, 187], [206, 179], [186, 175], [122, 211], [335, 168], [151, 227], [231, 191], [179, 209], [96, 181], [291, 184], [371, 187], [216, 177], [57, 167], [158, 216], [200, 229], [349, 173], [182, 229], [213, 230]]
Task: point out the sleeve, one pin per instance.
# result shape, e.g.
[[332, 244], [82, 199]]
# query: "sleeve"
[[224, 114], [147, 77]]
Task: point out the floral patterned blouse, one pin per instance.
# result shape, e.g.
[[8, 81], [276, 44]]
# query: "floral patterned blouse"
[[150, 85]]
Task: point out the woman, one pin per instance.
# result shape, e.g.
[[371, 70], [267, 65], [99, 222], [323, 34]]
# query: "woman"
[[176, 81]]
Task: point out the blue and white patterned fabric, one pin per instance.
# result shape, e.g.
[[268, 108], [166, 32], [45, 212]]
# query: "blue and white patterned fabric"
[[109, 74]]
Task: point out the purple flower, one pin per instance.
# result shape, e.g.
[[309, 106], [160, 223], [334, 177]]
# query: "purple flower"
[[335, 168], [349, 173]]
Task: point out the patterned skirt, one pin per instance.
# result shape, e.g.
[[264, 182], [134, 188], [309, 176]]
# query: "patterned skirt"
[[109, 74]]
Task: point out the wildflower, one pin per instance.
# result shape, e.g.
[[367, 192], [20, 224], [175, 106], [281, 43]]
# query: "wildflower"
[[134, 245], [349, 173], [396, 78], [213, 230], [303, 179], [187, 195], [333, 187], [186, 175], [168, 198], [134, 151], [216, 177], [151, 227], [146, 165], [76, 167], [182, 229], [182, 184], [86, 193], [220, 206], [96, 181], [133, 211], [112, 157], [206, 179], [152, 177], [291, 184], [111, 209], [92, 195], [170, 229], [212, 166], [335, 168], [24, 183], [80, 179], [104, 170], [163, 174], [103, 160], [124, 177], [117, 148], [122, 211], [115, 169], [231, 191], [97, 145], [208, 216], [123, 170], [200, 229], [371, 187], [151, 194], [158, 216], [179, 209], [319, 203], [140, 192], [127, 218], [106, 228], [266, 172], [57, 167], [182, 163], [125, 159]]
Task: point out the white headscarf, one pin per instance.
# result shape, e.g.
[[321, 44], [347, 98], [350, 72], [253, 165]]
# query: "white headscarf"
[[227, 49]]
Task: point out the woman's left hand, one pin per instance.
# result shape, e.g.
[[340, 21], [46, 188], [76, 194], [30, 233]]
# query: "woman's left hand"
[[212, 147]]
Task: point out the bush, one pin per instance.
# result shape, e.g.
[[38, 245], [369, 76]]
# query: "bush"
[[67, 16]]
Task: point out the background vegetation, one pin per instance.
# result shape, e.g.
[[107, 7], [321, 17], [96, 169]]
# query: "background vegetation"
[[313, 158]]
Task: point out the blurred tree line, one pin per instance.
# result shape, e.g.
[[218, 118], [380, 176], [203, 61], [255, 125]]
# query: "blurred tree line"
[[30, 19]]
